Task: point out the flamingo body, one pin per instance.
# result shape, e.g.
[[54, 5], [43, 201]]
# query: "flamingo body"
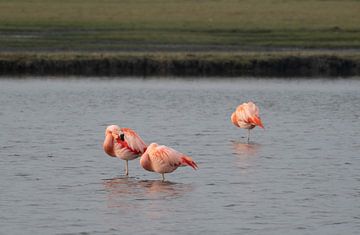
[[163, 159], [246, 116], [123, 143]]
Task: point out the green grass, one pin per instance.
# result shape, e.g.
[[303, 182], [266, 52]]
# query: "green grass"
[[128, 24]]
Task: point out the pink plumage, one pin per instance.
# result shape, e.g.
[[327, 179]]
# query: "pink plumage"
[[247, 116], [123, 143], [163, 159]]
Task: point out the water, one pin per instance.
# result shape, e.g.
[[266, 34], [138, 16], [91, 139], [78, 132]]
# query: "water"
[[301, 175]]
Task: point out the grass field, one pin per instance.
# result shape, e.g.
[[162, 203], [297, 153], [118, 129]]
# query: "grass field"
[[133, 24]]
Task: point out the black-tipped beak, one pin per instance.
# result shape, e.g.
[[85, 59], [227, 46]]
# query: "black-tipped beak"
[[122, 137]]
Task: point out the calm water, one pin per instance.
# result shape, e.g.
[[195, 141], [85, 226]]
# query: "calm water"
[[301, 175]]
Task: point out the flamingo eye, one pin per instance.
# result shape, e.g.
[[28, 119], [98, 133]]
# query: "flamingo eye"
[[122, 137]]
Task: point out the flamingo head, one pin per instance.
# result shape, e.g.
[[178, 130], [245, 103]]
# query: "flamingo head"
[[115, 132]]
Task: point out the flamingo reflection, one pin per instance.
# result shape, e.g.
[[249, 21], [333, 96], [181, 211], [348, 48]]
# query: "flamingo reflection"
[[126, 192], [245, 149], [245, 153]]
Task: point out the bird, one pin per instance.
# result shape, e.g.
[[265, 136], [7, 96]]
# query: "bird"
[[247, 116], [163, 159], [123, 143]]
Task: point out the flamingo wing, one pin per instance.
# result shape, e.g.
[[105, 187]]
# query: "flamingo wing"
[[133, 140], [165, 156], [256, 121], [172, 158]]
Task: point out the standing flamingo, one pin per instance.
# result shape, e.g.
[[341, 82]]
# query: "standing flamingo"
[[163, 159], [246, 116], [123, 143]]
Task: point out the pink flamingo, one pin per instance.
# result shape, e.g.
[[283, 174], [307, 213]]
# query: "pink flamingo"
[[246, 116], [163, 159], [123, 143]]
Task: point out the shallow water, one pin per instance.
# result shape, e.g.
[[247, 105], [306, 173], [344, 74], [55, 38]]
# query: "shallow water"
[[301, 175]]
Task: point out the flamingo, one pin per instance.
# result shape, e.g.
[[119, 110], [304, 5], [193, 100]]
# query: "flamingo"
[[123, 143], [246, 116], [163, 159]]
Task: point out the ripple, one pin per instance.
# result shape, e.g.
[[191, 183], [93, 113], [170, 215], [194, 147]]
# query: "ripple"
[[314, 149], [337, 223], [14, 155], [22, 174], [8, 146]]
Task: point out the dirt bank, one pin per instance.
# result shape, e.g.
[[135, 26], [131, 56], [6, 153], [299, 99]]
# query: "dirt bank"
[[284, 65]]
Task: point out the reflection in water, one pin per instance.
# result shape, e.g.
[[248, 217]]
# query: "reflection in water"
[[245, 149], [245, 153], [125, 192]]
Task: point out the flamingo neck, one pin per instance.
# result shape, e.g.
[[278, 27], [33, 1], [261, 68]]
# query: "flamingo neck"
[[109, 145], [146, 163]]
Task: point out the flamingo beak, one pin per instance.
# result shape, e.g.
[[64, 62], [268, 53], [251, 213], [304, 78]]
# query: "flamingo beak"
[[122, 137]]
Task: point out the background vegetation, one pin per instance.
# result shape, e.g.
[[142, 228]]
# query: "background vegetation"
[[182, 38], [141, 24]]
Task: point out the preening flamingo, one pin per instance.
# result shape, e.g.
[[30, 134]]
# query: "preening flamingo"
[[123, 143], [247, 116], [163, 159]]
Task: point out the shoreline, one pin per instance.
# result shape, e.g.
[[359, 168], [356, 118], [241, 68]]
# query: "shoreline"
[[306, 63]]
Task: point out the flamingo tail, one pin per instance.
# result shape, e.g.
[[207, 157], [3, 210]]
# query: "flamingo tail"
[[187, 161], [257, 121]]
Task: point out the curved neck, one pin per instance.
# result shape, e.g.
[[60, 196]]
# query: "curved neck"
[[145, 162], [109, 145]]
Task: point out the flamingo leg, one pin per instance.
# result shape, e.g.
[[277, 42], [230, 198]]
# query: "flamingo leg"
[[248, 139], [126, 168], [163, 177]]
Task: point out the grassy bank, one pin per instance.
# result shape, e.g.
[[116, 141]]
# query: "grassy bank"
[[139, 25], [180, 38], [273, 64]]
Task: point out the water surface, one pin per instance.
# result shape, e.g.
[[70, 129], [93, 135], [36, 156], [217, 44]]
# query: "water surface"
[[301, 175]]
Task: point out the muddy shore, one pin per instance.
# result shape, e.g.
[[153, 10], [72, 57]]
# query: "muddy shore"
[[185, 64]]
